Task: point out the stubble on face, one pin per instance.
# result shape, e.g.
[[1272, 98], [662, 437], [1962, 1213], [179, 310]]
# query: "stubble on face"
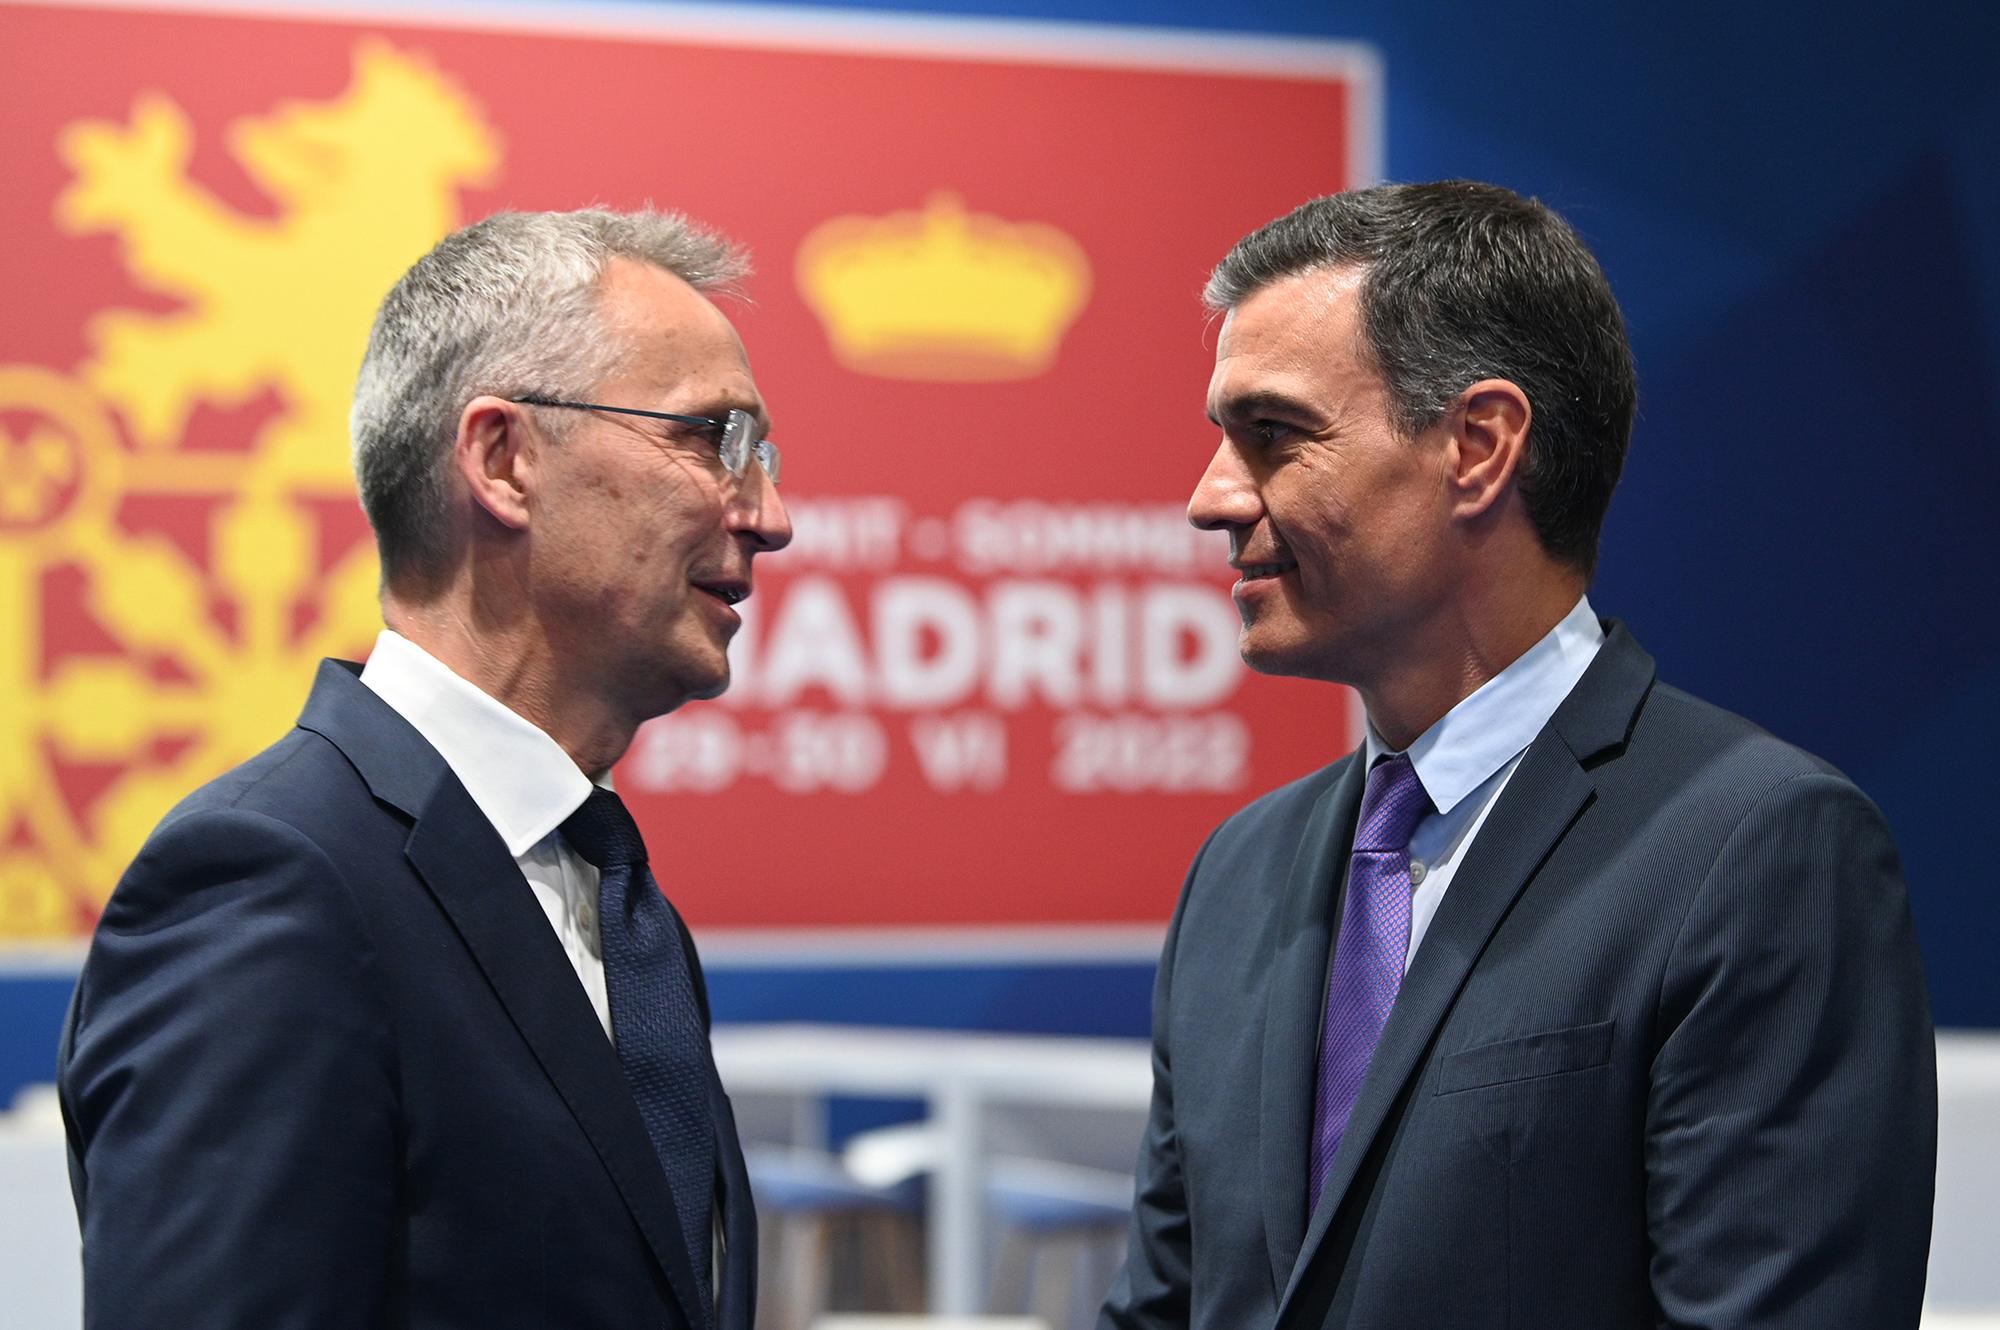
[[1335, 517], [637, 565]]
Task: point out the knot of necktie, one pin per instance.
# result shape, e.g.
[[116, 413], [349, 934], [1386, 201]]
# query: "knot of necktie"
[[1392, 803], [603, 832]]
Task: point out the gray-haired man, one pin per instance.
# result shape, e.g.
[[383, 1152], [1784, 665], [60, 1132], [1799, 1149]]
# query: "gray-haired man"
[[391, 1025]]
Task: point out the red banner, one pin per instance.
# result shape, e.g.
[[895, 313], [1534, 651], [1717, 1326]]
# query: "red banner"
[[994, 678]]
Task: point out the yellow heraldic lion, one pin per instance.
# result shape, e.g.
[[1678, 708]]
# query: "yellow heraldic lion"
[[362, 185]]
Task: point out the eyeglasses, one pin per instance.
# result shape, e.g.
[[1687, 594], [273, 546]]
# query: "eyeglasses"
[[737, 432]]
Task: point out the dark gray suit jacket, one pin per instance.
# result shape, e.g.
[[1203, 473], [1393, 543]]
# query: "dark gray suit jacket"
[[1664, 1057], [329, 1066]]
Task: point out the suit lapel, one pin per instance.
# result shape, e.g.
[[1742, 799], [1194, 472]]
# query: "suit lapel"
[[736, 1283], [736, 1290], [469, 871], [1542, 800], [1296, 994], [466, 868]]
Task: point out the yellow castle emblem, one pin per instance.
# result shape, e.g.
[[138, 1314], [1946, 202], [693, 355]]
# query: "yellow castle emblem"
[[198, 641], [943, 293]]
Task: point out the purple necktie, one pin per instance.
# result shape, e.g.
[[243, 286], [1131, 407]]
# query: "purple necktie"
[[1368, 955]]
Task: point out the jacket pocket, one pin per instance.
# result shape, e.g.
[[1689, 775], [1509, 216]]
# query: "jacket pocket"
[[1526, 1057]]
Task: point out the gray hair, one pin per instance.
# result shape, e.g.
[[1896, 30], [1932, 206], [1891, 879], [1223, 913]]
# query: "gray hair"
[[1463, 281], [508, 306]]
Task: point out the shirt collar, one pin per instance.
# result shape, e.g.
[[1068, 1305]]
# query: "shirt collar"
[[1490, 728], [520, 778]]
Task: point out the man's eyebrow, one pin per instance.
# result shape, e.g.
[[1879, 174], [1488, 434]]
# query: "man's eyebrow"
[[718, 410], [1259, 402]]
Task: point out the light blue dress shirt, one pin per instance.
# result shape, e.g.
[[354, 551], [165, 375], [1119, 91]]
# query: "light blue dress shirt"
[[1469, 755]]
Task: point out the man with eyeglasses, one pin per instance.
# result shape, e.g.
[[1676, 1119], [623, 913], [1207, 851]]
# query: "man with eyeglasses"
[[392, 1025]]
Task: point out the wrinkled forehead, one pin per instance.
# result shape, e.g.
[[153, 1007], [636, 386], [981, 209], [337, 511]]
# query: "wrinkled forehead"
[[673, 338], [652, 306], [1319, 305], [1290, 332]]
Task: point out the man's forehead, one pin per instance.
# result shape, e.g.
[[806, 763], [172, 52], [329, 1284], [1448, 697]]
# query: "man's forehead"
[[1284, 335], [1315, 302], [647, 298], [676, 339], [1255, 361]]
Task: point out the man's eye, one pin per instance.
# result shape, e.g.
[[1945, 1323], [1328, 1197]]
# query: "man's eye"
[[709, 436]]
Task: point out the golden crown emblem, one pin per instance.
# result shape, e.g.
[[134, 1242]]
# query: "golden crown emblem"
[[943, 293]]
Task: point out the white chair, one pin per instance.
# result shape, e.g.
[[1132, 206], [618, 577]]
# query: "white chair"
[[1965, 1233], [1057, 1228], [41, 1266]]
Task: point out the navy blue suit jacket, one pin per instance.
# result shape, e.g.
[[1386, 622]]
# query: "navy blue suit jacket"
[[328, 1066], [1664, 1057]]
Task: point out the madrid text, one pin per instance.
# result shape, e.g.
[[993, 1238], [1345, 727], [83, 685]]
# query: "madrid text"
[[1088, 646]]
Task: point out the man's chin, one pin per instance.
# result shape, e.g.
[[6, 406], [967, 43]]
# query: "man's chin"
[[665, 696], [1281, 659], [713, 687], [720, 686]]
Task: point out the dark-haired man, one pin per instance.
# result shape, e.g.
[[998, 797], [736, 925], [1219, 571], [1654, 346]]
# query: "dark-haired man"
[[391, 1025], [1568, 1001]]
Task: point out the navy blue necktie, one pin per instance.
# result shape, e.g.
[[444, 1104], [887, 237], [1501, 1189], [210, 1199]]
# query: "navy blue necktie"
[[655, 1020]]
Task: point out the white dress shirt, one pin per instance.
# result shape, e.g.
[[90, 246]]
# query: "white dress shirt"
[[520, 778], [1469, 755]]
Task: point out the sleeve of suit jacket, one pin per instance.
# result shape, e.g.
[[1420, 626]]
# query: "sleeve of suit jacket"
[[1153, 1289], [231, 1082], [1791, 1130]]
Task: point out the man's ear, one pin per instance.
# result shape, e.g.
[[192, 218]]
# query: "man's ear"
[[1489, 444], [495, 456]]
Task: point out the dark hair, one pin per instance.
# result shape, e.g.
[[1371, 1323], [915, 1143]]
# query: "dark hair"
[[1464, 281]]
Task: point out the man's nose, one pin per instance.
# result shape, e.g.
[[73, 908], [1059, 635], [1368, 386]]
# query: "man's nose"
[[1226, 496], [757, 511]]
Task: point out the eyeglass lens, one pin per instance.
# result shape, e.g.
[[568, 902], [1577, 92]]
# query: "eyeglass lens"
[[740, 441]]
